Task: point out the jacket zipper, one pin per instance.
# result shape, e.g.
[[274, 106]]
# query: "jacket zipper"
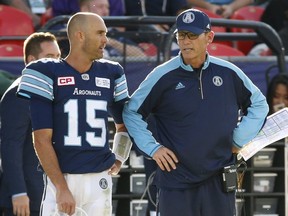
[[200, 83]]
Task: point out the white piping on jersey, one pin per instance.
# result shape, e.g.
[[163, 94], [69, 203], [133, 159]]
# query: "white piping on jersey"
[[121, 92], [121, 83]]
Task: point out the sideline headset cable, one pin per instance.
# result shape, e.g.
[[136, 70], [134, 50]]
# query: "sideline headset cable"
[[146, 190]]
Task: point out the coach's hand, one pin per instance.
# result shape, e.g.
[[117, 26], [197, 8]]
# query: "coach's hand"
[[165, 159], [235, 150], [21, 205]]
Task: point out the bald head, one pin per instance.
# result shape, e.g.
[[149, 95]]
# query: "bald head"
[[87, 35], [82, 21]]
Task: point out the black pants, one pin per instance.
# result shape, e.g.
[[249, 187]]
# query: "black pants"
[[208, 199]]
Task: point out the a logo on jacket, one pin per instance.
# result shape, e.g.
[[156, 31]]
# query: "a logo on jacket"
[[179, 86], [218, 81], [85, 76], [102, 82], [68, 80]]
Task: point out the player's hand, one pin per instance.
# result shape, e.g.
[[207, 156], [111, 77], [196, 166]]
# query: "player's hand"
[[114, 170], [235, 150], [165, 159], [65, 201], [21, 205]]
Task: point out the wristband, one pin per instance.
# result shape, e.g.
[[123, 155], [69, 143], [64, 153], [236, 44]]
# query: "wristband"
[[121, 146]]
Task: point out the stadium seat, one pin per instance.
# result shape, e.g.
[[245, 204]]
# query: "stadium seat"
[[45, 17], [216, 49], [15, 25], [216, 28], [11, 50], [213, 15], [248, 13], [253, 13]]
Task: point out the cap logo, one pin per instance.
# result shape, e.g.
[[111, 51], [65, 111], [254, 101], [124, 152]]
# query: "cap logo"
[[188, 17]]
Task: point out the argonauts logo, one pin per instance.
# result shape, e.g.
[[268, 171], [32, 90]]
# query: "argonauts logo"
[[85, 76], [217, 80], [188, 17], [86, 92], [103, 183]]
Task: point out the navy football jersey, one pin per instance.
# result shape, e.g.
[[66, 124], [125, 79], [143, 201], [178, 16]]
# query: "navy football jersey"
[[80, 104]]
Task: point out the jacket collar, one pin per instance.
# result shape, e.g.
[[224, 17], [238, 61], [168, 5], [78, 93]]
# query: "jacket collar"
[[188, 67]]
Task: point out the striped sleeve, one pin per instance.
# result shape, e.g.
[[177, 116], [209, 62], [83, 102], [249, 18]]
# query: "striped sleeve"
[[121, 89], [34, 83]]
